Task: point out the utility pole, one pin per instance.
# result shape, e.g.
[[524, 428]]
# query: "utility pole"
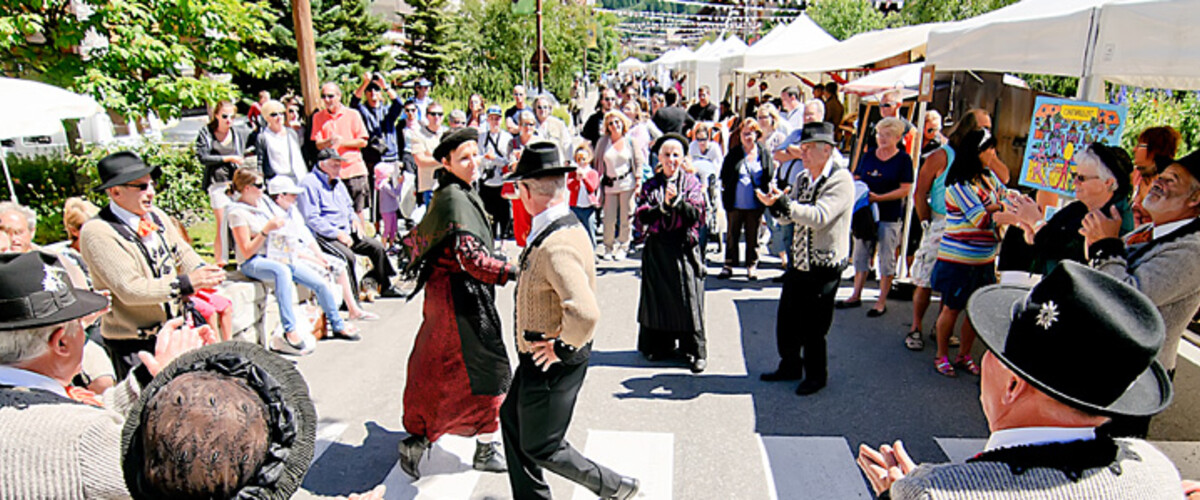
[[541, 62], [306, 48]]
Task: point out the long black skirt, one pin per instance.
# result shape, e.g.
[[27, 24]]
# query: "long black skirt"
[[671, 309]]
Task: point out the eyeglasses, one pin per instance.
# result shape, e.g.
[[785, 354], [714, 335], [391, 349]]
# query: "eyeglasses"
[[329, 96], [610, 99], [275, 114], [543, 107], [139, 186], [1080, 178], [889, 105], [701, 138], [527, 124], [1142, 146]]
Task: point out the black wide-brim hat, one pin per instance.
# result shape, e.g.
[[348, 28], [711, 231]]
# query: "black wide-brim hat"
[[35, 292], [539, 159], [292, 418], [120, 168], [452, 140], [665, 138], [1081, 336]]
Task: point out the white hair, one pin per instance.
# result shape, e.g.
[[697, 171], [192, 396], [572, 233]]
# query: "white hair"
[[17, 346], [932, 116], [1102, 170], [28, 213], [893, 94], [458, 114], [552, 186], [526, 113], [817, 106]]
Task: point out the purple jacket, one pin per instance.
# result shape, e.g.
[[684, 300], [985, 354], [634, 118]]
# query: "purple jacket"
[[684, 215]]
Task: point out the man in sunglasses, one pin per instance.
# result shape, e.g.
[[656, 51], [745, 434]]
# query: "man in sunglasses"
[[339, 127], [551, 128], [510, 115], [136, 253], [427, 138], [889, 107], [591, 129]]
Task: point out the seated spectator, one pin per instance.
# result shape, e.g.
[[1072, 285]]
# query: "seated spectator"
[[1155, 150], [132, 251], [329, 213], [284, 193], [266, 255], [20, 222], [1044, 408], [1165, 269], [60, 440]]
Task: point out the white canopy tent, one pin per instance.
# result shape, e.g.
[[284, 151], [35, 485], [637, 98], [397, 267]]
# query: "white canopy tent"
[[857, 51], [905, 77], [34, 108], [1149, 43], [631, 65], [704, 67], [802, 34]]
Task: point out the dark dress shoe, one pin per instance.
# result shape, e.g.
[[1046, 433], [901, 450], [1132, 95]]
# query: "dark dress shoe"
[[391, 292], [627, 489], [875, 313], [847, 304], [698, 364], [411, 450], [809, 387], [781, 374], [488, 457], [344, 335]]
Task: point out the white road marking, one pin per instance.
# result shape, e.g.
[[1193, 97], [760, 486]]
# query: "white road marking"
[[648, 456], [819, 467], [445, 473]]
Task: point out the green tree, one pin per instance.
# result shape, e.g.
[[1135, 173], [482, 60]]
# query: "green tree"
[[934, 11], [845, 18], [348, 38], [432, 48], [144, 55]]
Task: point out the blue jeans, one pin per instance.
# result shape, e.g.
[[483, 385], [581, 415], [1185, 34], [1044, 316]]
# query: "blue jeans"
[[587, 215], [285, 277]]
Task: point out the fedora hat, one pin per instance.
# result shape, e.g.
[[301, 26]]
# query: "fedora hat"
[[817, 132], [1081, 336], [258, 427], [35, 291], [539, 159], [122, 167]]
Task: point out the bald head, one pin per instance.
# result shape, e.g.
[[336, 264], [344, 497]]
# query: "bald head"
[[331, 96]]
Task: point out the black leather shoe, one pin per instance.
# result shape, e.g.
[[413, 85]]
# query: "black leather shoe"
[[411, 450], [391, 292], [488, 457], [809, 387], [698, 364], [627, 489], [781, 374]]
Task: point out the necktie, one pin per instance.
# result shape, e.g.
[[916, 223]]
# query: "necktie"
[[146, 227]]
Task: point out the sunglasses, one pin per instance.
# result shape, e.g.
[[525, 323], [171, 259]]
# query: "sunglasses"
[[528, 124], [139, 186], [328, 96], [1080, 178], [275, 114], [259, 185], [610, 99], [226, 116], [435, 113], [701, 138], [543, 107], [888, 105]]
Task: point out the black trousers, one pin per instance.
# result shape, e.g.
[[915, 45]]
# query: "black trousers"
[[499, 208], [123, 353], [739, 220], [534, 420], [381, 267], [803, 320]]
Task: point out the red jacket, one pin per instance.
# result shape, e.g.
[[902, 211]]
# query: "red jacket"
[[587, 177]]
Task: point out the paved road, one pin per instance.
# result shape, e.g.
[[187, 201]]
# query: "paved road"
[[719, 435]]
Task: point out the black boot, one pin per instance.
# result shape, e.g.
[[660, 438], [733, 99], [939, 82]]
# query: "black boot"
[[411, 450], [488, 457], [627, 489]]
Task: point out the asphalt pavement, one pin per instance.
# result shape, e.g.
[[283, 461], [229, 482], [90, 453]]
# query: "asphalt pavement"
[[722, 434]]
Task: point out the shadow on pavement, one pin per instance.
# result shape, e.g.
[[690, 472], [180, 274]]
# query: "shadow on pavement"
[[341, 470]]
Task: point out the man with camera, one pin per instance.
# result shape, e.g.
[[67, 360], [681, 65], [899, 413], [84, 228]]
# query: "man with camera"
[[383, 143]]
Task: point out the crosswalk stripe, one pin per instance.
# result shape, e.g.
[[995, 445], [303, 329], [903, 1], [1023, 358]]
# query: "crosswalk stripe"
[[327, 434], [446, 472], [801, 467], [648, 456]]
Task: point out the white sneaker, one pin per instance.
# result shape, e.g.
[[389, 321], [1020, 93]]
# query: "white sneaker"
[[281, 344], [619, 254]]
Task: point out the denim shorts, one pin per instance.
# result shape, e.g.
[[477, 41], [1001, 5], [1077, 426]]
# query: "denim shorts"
[[956, 282]]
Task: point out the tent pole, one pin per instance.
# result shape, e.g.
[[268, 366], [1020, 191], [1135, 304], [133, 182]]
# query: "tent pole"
[[12, 193], [915, 153], [1091, 88]]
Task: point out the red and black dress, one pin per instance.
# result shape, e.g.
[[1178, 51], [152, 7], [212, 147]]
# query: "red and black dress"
[[458, 370]]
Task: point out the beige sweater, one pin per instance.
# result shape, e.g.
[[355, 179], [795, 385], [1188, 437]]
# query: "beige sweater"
[[65, 451], [118, 265], [556, 290]]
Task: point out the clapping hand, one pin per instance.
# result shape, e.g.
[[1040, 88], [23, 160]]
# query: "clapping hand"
[[1098, 226], [669, 196], [772, 196], [172, 340], [886, 466]]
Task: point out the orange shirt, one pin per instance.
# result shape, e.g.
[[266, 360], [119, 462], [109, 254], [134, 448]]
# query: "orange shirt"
[[347, 124]]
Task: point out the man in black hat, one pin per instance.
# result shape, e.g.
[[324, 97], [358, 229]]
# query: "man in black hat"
[[134, 251], [458, 371], [556, 316], [1044, 408], [329, 212], [819, 205], [1166, 268], [61, 441]]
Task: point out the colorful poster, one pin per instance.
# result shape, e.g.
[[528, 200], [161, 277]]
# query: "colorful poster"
[[1059, 128]]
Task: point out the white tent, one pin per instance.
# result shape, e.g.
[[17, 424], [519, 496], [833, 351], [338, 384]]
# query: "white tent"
[[857, 51], [34, 108], [802, 34], [631, 65], [1150, 43], [905, 77], [704, 67]]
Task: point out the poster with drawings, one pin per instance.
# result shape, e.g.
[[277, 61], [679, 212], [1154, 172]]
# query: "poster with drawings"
[[1059, 129]]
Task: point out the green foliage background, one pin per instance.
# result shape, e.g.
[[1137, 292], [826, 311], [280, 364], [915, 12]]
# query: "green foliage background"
[[1180, 110]]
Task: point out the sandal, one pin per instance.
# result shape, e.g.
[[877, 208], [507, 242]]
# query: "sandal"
[[913, 341], [943, 366], [965, 362]]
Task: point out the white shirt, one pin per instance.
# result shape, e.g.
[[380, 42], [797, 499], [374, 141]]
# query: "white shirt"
[[284, 154], [550, 214], [1168, 228], [1025, 436], [131, 219], [795, 117], [17, 377]]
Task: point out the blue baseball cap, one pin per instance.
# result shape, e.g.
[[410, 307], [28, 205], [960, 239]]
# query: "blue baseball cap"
[[494, 110], [424, 83]]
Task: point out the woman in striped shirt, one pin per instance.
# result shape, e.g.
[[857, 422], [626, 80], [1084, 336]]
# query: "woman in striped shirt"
[[967, 254]]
